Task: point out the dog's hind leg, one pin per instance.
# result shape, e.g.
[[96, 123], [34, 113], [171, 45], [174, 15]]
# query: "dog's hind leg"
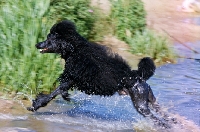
[[141, 95], [43, 99]]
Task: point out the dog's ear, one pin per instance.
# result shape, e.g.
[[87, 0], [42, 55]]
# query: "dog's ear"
[[146, 68], [66, 48]]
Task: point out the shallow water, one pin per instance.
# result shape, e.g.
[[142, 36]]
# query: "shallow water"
[[176, 87], [192, 20]]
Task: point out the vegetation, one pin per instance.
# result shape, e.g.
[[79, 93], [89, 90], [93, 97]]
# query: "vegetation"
[[78, 11], [27, 22], [128, 17], [148, 43], [22, 67]]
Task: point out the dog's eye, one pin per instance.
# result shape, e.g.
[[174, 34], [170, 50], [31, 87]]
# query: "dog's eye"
[[49, 35], [52, 36]]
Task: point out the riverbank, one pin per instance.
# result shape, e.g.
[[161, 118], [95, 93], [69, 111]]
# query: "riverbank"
[[167, 16]]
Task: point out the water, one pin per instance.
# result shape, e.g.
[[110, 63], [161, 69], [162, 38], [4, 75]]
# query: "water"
[[176, 87], [192, 20]]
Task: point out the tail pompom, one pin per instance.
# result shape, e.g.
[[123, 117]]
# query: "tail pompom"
[[146, 68]]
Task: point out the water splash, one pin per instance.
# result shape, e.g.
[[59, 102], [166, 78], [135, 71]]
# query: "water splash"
[[12, 117]]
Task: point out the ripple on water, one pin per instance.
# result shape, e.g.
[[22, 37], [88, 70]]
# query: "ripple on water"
[[192, 20], [15, 129], [12, 117]]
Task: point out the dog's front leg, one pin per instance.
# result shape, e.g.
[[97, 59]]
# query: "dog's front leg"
[[43, 99]]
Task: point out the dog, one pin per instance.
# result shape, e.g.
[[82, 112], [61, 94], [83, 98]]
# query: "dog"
[[94, 69]]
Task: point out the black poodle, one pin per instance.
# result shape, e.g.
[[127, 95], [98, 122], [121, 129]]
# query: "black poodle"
[[94, 69]]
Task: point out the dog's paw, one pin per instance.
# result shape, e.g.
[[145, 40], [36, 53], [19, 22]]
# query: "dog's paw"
[[163, 125], [34, 106], [170, 119], [40, 101], [31, 109], [160, 122]]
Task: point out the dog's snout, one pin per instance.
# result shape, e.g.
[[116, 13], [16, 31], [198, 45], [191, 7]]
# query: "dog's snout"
[[40, 45]]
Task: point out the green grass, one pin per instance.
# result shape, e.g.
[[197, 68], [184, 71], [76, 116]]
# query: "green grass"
[[22, 67], [149, 43], [78, 11], [128, 17]]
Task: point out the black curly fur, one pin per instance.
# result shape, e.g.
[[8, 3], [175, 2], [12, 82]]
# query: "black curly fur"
[[94, 69]]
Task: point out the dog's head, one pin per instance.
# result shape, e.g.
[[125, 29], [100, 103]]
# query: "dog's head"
[[60, 39]]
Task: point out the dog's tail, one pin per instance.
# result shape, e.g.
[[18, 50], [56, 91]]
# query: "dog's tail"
[[146, 68]]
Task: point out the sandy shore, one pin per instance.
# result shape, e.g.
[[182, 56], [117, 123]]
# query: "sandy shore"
[[168, 16]]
